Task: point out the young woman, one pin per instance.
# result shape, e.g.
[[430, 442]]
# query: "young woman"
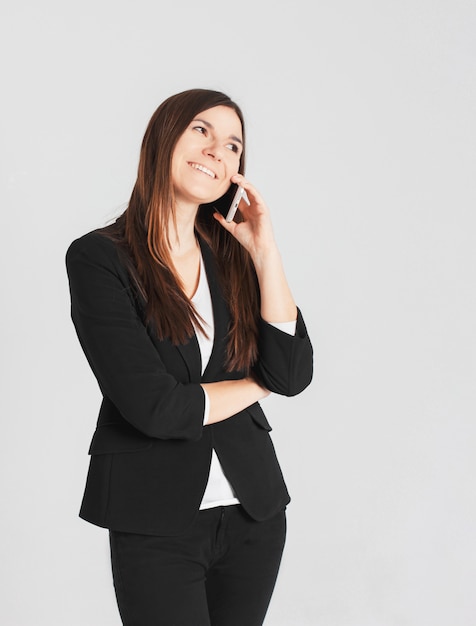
[[187, 321]]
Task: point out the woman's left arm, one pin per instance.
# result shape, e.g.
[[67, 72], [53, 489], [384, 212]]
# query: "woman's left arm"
[[256, 235], [285, 363]]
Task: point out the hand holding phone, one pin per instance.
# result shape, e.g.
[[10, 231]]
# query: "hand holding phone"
[[240, 193]]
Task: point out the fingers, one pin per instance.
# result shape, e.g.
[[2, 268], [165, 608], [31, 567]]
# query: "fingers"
[[229, 226], [239, 179], [258, 204]]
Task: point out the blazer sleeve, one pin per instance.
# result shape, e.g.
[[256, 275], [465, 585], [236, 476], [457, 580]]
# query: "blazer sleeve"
[[120, 352], [285, 364]]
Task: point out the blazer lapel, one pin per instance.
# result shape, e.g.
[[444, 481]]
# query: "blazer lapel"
[[190, 353], [220, 314]]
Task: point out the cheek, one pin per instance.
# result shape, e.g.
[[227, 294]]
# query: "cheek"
[[234, 166], [224, 187]]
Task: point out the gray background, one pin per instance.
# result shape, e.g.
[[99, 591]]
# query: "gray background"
[[361, 122]]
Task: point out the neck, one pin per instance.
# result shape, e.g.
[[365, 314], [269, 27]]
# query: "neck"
[[182, 234], [184, 249]]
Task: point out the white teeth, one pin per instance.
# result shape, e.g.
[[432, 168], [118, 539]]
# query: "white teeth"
[[203, 169]]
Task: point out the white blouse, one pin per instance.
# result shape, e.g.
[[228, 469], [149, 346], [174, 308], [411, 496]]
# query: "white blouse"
[[218, 491]]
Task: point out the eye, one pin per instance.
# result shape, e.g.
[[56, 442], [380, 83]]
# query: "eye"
[[201, 129], [233, 147]]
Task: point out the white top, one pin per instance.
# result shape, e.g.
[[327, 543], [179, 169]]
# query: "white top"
[[218, 491]]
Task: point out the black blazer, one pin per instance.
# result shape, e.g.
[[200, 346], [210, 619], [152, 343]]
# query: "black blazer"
[[150, 453]]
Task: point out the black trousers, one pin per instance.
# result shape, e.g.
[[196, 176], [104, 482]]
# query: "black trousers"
[[221, 572]]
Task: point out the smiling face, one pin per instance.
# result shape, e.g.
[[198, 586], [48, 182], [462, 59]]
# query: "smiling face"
[[206, 156]]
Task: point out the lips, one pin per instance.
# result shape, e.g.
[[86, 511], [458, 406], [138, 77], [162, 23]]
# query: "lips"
[[203, 169]]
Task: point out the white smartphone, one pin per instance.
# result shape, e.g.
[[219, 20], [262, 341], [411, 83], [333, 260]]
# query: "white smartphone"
[[240, 193]]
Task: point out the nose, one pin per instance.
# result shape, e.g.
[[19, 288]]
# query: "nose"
[[213, 150]]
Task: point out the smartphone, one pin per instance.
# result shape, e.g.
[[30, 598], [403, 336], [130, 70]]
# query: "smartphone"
[[240, 193]]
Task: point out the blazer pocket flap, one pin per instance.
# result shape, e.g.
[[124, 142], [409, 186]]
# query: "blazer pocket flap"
[[258, 416], [112, 438]]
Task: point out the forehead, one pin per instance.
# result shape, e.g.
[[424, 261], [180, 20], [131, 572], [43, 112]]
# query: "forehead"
[[222, 119]]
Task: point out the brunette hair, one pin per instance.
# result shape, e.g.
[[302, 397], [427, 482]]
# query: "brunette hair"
[[142, 232]]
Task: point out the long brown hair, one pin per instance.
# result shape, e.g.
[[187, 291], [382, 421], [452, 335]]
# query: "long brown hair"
[[142, 232]]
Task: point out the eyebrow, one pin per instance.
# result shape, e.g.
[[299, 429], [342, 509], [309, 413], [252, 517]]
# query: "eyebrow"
[[208, 125]]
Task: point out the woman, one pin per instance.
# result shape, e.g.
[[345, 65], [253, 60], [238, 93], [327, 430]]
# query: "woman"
[[187, 321]]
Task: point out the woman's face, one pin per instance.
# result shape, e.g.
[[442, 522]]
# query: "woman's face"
[[206, 156]]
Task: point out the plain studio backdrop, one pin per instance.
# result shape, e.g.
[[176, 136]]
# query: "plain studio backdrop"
[[361, 124]]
